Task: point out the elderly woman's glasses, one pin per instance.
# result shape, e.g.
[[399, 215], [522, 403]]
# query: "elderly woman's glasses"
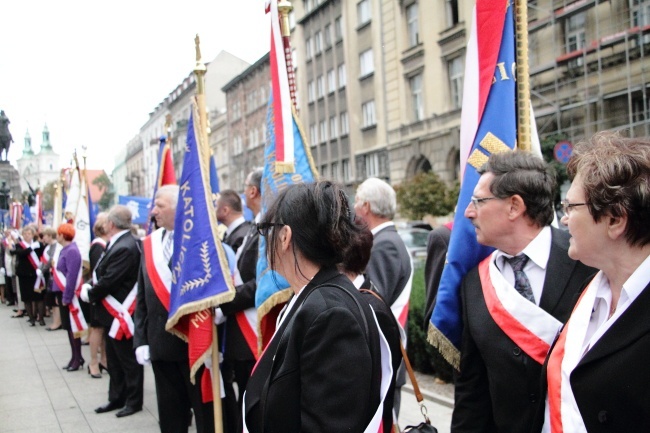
[[264, 228], [567, 207]]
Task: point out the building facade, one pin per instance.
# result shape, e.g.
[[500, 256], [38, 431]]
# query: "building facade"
[[38, 169]]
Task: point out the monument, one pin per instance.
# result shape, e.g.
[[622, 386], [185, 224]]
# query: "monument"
[[9, 177]]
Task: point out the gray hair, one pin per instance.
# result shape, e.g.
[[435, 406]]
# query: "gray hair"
[[170, 191], [120, 216], [379, 195], [255, 177]]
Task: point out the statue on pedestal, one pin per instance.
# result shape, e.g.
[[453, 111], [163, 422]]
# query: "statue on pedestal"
[[5, 136]]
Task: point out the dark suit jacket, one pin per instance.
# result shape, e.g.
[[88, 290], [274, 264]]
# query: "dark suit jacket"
[[24, 267], [235, 347], [150, 319], [320, 371], [117, 273], [611, 382], [389, 267], [236, 238], [497, 389], [437, 245]]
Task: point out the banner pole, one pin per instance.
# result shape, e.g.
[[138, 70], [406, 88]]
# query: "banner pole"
[[523, 76], [216, 386]]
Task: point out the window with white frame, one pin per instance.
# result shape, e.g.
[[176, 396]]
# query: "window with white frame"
[[322, 126], [366, 63], [372, 165], [451, 12], [331, 81], [641, 17], [345, 165], [237, 145], [313, 134], [308, 49], [417, 101], [320, 86], [327, 36], [318, 43], [455, 71], [309, 5], [342, 76], [335, 170], [412, 26], [338, 28], [368, 110], [252, 138], [345, 126], [311, 91], [574, 28], [363, 12], [334, 128]]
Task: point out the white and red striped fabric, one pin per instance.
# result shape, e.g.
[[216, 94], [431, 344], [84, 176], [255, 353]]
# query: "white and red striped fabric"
[[36, 264], [16, 215], [282, 104], [122, 326]]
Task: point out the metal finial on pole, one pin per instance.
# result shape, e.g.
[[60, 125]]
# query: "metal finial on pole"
[[284, 7], [523, 80]]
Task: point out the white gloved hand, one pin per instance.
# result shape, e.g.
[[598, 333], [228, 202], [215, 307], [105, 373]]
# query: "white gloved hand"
[[2, 271], [208, 362], [142, 355], [15, 235], [219, 317], [83, 295], [39, 273]]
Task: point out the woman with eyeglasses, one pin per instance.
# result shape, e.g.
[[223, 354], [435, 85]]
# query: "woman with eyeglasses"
[[597, 372], [321, 370]]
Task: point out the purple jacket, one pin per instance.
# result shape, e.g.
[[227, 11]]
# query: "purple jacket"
[[69, 265]]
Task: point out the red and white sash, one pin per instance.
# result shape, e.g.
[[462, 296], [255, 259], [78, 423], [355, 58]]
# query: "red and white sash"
[[122, 326], [100, 241], [566, 354], [400, 307], [157, 268], [247, 320], [36, 264], [377, 422], [529, 326], [77, 320]]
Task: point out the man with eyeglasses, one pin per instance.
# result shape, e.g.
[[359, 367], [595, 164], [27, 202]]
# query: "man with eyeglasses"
[[516, 300], [240, 340]]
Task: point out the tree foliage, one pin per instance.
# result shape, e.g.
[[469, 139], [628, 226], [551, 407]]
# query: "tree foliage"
[[106, 187], [48, 195], [426, 194], [548, 145]]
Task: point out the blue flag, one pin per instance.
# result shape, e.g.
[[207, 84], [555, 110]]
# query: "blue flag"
[[495, 131], [139, 207], [27, 214], [272, 288], [200, 272], [92, 214]]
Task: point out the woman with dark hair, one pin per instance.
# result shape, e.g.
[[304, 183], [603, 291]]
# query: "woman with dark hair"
[[28, 253], [68, 277], [96, 340], [321, 370]]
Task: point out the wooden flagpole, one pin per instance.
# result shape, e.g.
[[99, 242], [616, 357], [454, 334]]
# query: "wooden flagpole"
[[204, 154], [523, 76]]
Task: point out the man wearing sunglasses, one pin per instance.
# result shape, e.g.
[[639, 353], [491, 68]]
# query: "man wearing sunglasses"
[[516, 300]]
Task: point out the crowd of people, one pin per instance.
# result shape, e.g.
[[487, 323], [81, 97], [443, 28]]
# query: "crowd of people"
[[554, 331]]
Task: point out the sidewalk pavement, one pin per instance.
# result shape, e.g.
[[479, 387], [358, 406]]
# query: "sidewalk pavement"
[[36, 395]]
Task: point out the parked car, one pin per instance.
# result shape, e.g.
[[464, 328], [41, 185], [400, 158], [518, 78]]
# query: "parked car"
[[415, 240]]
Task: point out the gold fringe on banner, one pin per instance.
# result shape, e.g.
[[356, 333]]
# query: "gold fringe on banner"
[[448, 351], [285, 167]]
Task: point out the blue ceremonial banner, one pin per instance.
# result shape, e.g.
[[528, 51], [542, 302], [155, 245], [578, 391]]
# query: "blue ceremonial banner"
[[27, 214], [496, 132], [272, 289], [200, 273], [139, 207], [93, 210]]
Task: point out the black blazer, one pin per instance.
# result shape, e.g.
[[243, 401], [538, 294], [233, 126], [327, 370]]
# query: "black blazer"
[[497, 388], [117, 273], [150, 319], [236, 237], [437, 246], [611, 382], [321, 370], [389, 267], [24, 267], [235, 347]]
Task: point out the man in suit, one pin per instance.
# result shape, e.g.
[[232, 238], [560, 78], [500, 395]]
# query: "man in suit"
[[597, 371], [114, 293], [516, 300], [240, 347], [229, 212], [437, 246], [390, 268], [167, 354]]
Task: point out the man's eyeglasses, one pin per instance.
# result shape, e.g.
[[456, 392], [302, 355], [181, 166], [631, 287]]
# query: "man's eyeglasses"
[[566, 206], [476, 200], [264, 228]]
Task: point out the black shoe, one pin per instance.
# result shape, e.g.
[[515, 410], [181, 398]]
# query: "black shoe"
[[128, 410], [41, 322], [32, 323], [102, 368], [74, 367], [94, 376], [53, 329], [111, 405]]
